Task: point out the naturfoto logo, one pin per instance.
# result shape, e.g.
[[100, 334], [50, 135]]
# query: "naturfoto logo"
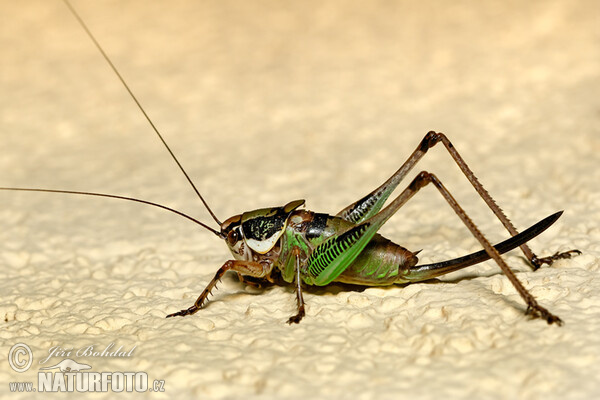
[[73, 376]]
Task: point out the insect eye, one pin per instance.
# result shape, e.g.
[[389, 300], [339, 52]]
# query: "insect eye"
[[233, 237]]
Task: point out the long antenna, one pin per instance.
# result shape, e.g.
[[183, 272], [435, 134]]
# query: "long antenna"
[[113, 196], [89, 33]]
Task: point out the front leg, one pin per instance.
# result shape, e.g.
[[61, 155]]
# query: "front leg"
[[250, 268]]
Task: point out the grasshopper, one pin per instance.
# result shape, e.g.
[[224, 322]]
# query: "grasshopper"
[[291, 245]]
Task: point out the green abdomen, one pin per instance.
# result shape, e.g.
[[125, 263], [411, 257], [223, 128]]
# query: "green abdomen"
[[381, 263]]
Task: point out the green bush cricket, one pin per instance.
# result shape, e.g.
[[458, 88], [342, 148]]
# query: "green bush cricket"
[[295, 246]]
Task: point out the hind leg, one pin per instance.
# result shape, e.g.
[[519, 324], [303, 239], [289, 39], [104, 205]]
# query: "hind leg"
[[373, 202], [424, 178]]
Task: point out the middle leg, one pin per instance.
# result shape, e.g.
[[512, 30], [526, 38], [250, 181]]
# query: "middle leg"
[[300, 300]]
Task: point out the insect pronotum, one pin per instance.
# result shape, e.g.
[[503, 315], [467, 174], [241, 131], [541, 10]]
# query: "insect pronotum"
[[291, 245]]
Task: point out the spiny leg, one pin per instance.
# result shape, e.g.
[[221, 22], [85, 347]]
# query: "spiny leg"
[[296, 318], [372, 203], [533, 308], [535, 261], [245, 267]]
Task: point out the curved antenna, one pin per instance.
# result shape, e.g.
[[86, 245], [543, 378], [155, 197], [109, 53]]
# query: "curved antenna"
[[89, 33], [113, 196]]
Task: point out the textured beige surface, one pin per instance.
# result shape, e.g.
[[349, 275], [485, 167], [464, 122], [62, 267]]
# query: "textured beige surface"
[[265, 102]]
